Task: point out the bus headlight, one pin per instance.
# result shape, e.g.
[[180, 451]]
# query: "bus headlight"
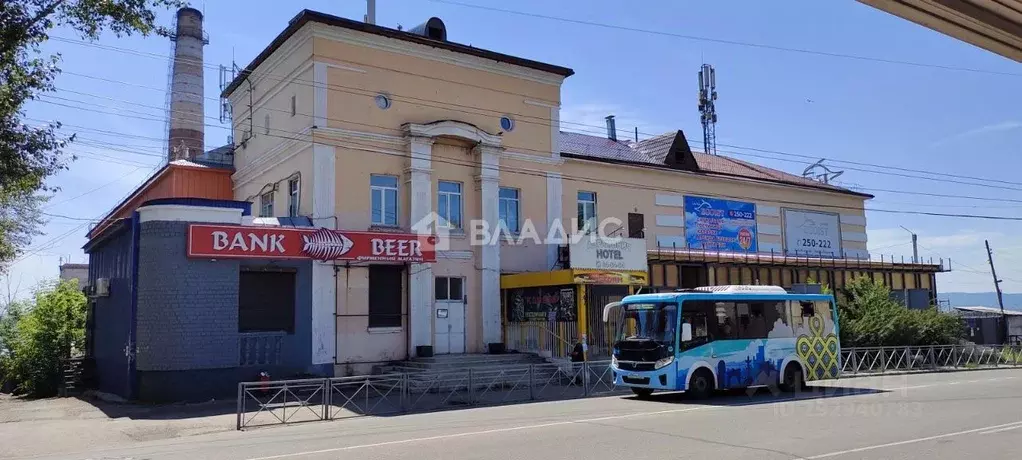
[[662, 363]]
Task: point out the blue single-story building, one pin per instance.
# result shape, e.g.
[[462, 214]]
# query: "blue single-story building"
[[163, 326]]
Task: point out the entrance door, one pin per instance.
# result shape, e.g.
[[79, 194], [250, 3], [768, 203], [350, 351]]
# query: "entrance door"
[[449, 316]]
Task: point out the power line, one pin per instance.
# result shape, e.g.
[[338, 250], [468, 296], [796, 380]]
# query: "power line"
[[547, 123], [925, 213], [94, 190], [731, 42]]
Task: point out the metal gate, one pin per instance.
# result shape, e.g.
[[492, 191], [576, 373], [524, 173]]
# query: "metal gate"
[[601, 335]]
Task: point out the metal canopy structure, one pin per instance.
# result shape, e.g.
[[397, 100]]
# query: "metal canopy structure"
[[994, 25]]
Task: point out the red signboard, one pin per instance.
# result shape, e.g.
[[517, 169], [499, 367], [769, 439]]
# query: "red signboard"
[[232, 241]]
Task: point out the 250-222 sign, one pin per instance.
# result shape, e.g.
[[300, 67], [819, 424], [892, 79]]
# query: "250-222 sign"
[[814, 243]]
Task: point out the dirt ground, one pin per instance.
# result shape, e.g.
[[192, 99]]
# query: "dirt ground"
[[68, 425]]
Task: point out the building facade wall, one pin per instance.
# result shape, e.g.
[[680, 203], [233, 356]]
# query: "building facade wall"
[[187, 320], [441, 121], [110, 318]]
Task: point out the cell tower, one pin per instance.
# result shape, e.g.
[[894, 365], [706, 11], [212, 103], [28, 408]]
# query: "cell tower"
[[707, 111]]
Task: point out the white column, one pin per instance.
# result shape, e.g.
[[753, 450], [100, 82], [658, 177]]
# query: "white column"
[[554, 211], [319, 94], [420, 283], [489, 184], [324, 287]]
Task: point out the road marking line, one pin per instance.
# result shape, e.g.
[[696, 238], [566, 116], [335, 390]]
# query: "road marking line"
[[912, 441], [474, 433], [624, 416], [1003, 429]]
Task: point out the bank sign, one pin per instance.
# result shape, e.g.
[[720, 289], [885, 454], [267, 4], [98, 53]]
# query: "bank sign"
[[608, 254], [223, 241], [720, 225]]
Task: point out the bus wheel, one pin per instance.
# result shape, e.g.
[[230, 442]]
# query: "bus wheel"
[[642, 393], [701, 385], [793, 379]]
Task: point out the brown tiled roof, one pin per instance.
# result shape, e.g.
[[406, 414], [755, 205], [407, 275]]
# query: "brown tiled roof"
[[655, 151]]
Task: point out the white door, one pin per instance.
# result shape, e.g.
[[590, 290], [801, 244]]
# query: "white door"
[[448, 316]]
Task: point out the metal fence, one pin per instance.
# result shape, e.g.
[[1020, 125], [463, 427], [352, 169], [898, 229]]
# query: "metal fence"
[[857, 361], [289, 401]]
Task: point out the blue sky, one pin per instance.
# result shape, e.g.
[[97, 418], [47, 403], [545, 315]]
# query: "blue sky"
[[902, 116]]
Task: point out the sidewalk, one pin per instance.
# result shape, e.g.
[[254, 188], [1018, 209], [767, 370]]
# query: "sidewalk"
[[66, 425]]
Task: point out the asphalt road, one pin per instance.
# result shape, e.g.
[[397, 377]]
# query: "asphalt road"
[[934, 416]]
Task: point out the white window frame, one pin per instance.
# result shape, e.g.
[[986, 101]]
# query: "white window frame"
[[383, 189], [266, 204], [294, 190], [583, 222], [460, 194], [502, 208]]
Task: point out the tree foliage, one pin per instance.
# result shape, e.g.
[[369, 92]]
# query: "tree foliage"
[[869, 317], [32, 151], [39, 335]]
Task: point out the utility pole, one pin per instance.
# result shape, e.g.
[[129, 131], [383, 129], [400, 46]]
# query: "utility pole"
[[915, 245], [997, 286]]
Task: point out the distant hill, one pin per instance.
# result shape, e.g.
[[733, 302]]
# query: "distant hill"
[[987, 299]]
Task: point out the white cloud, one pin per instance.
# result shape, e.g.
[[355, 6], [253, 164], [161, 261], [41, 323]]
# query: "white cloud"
[[1008, 125]]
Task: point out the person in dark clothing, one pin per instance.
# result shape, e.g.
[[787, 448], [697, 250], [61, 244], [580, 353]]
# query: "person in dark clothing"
[[578, 353]]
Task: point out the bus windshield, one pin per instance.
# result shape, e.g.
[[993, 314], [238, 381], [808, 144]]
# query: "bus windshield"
[[653, 321]]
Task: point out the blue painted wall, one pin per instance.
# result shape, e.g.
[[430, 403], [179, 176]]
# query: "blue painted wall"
[[111, 259], [187, 320]]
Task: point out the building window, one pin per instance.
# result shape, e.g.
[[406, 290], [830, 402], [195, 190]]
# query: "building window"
[[382, 101], [293, 187], [587, 211], [636, 225], [448, 288], [384, 199], [385, 295], [449, 205], [266, 205], [507, 124], [294, 105], [508, 208], [266, 301]]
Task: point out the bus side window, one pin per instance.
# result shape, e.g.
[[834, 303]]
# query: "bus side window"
[[808, 309]]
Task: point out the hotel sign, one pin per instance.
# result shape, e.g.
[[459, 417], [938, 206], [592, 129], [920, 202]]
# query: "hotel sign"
[[234, 241]]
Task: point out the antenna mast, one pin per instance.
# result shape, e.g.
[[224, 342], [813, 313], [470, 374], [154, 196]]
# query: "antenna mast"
[[707, 111]]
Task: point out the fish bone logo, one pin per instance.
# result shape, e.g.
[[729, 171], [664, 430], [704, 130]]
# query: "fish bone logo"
[[326, 244]]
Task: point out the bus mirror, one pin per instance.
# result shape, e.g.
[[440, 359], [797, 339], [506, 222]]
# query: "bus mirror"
[[686, 332]]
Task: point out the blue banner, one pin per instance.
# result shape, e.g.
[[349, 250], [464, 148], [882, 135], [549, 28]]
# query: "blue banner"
[[720, 225]]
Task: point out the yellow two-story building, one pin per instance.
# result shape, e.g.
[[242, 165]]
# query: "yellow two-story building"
[[367, 128]]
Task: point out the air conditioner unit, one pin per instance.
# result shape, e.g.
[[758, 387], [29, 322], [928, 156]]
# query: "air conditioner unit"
[[102, 287]]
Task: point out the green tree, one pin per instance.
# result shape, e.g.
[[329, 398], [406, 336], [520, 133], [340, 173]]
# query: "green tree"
[[48, 331], [871, 318], [31, 152]]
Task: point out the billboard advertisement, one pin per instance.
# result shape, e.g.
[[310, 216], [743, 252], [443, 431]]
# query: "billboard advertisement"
[[811, 233], [720, 225]]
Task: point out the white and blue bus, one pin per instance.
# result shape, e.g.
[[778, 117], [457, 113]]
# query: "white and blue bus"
[[723, 337]]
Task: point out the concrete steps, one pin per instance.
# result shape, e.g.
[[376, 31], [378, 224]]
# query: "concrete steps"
[[452, 373]]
